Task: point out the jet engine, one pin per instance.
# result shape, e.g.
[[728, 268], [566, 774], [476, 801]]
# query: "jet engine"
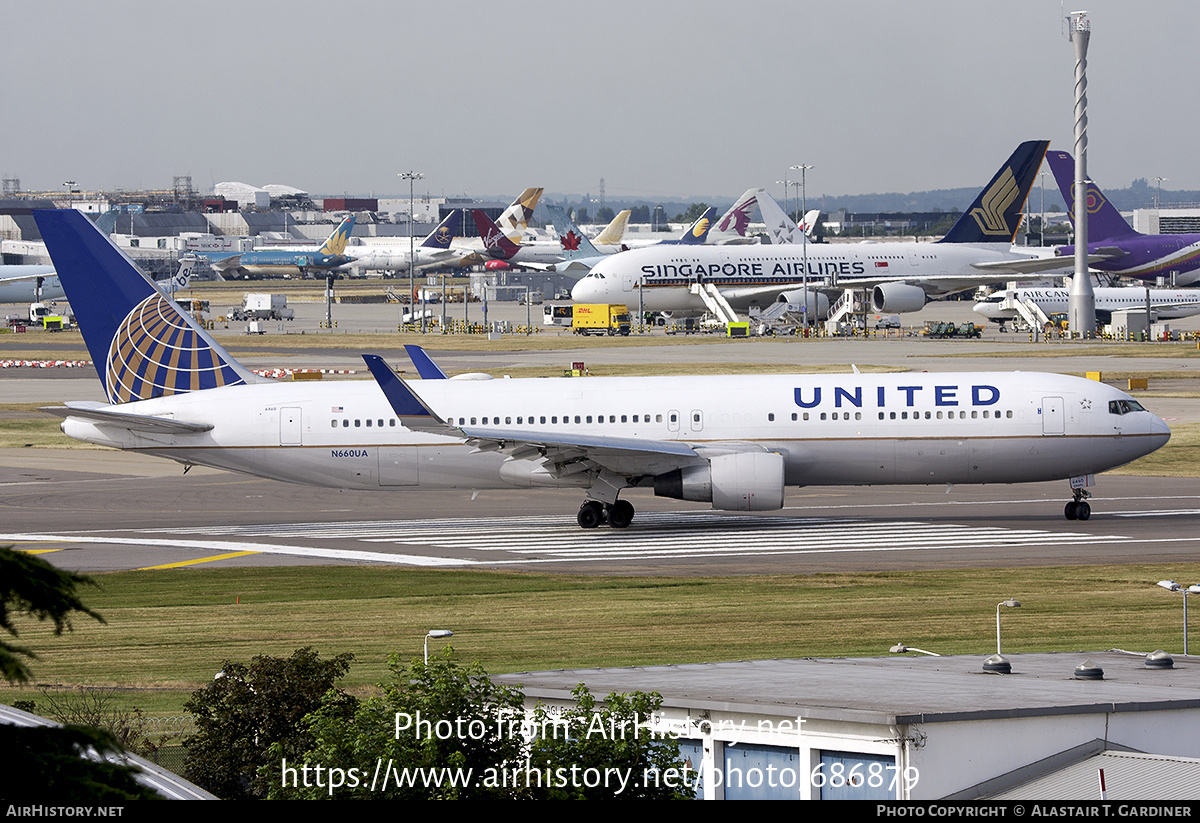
[[740, 482], [897, 298], [818, 304]]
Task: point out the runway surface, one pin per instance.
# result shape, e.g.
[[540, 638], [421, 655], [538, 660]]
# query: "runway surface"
[[97, 511]]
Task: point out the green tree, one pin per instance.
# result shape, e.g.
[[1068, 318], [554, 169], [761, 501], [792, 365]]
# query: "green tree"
[[56, 762], [440, 730], [31, 586], [692, 214], [608, 740], [432, 716], [249, 709]]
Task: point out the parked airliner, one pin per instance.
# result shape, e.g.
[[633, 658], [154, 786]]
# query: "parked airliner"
[[1167, 304], [25, 284], [434, 249], [290, 261], [735, 442], [1114, 247], [901, 276]]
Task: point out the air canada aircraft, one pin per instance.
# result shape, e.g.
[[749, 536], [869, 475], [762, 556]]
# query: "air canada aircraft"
[[1167, 304], [901, 276], [735, 442]]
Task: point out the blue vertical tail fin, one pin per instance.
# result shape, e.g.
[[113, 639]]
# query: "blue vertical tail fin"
[[697, 233], [445, 232], [995, 215], [1104, 221], [142, 344], [335, 244], [574, 243]]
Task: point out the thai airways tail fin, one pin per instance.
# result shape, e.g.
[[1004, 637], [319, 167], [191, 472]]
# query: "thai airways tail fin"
[[614, 232], [1104, 221], [697, 233], [574, 243], [445, 232], [734, 223], [336, 243], [494, 242], [143, 345], [995, 215]]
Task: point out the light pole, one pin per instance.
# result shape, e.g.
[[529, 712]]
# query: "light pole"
[[804, 167], [1172, 586], [435, 633], [1158, 200], [412, 177], [1042, 227], [1010, 603]]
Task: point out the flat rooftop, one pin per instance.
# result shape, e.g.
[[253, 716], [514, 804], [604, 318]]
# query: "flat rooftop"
[[894, 690]]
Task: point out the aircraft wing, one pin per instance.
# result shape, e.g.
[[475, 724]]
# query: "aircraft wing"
[[562, 453], [1034, 265], [105, 415]]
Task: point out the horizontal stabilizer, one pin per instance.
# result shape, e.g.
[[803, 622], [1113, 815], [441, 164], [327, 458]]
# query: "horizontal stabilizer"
[[106, 416]]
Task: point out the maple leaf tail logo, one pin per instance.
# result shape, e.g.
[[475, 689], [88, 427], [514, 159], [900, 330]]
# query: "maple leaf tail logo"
[[570, 241]]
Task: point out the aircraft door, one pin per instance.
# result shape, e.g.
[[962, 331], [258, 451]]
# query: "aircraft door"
[[697, 420], [1052, 415], [290, 427], [673, 420]]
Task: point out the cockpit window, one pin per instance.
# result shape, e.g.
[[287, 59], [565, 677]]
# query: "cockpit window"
[[1124, 406]]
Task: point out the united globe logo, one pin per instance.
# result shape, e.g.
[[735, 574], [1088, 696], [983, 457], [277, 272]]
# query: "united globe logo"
[[156, 353]]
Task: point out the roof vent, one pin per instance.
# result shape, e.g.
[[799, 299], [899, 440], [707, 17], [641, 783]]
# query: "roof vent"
[[1087, 670], [997, 664], [1159, 660]]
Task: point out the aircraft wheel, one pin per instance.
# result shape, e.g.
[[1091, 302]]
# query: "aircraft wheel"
[[620, 515], [591, 515], [1083, 511], [1072, 510]]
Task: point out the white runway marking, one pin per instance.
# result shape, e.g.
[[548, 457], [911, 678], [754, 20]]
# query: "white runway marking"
[[654, 536]]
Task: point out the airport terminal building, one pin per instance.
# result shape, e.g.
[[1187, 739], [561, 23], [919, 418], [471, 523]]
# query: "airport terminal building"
[[920, 728]]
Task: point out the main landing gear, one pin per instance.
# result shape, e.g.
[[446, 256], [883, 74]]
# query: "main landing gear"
[[592, 513], [1079, 509]]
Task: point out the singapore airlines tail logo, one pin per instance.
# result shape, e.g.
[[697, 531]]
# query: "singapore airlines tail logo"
[[995, 202]]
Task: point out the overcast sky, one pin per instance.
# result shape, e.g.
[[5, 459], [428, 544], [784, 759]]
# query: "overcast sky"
[[661, 99]]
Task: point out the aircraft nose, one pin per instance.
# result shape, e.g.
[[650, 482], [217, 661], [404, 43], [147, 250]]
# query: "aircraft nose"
[[584, 290]]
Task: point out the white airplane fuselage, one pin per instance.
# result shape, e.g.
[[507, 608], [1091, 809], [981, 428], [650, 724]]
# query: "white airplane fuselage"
[[1168, 304], [748, 274], [851, 429]]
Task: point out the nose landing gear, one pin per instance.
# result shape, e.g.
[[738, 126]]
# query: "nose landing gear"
[[1079, 508]]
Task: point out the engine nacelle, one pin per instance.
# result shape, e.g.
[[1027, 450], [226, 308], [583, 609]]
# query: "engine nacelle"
[[740, 482], [818, 304], [529, 473], [897, 298]]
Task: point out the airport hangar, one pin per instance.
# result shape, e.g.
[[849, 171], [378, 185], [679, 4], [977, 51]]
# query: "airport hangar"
[[920, 728]]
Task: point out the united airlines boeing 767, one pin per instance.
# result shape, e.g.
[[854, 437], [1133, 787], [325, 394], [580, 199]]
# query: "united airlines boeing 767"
[[735, 442]]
